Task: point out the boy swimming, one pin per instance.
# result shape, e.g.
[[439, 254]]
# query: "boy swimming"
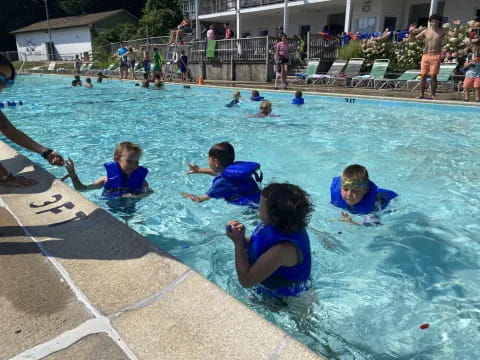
[[235, 181], [125, 178]]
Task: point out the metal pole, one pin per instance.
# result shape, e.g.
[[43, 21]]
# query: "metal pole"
[[238, 19], [48, 28], [285, 16], [433, 7], [348, 15], [198, 29], [308, 47]]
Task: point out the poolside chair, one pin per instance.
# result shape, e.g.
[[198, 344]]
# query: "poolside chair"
[[397, 83], [51, 66], [379, 69], [335, 70], [310, 72], [444, 77], [86, 68], [352, 69]]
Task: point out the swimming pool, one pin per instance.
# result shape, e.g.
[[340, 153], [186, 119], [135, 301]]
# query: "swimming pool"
[[375, 285]]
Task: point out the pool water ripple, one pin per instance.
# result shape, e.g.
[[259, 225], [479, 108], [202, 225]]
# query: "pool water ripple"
[[372, 286]]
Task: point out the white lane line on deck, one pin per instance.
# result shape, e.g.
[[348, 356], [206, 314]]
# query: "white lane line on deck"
[[68, 338], [155, 297], [280, 347], [76, 290]]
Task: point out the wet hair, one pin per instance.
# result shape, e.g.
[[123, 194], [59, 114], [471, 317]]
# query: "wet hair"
[[126, 146], [88, 80], [74, 82], [223, 152], [5, 61], [255, 93], [288, 207], [236, 93], [298, 94], [265, 104], [76, 77], [435, 17], [356, 173]]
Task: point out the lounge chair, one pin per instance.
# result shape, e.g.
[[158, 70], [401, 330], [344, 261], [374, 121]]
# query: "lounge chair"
[[379, 69], [310, 72], [335, 70], [397, 83], [352, 69], [444, 77], [85, 68], [51, 66]]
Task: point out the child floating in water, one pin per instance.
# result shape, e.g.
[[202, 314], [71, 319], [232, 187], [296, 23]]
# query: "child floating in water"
[[277, 256], [124, 175], [255, 96], [354, 192], [236, 99], [88, 82], [298, 99], [235, 181], [265, 110], [145, 80], [158, 83]]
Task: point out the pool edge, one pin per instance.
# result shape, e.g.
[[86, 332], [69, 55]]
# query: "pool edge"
[[140, 295]]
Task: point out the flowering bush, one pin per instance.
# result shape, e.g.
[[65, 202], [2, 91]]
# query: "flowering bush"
[[377, 48], [407, 54]]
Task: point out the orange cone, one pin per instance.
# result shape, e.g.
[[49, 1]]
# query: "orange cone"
[[200, 80]]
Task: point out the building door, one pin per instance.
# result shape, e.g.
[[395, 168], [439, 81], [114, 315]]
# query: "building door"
[[390, 23], [335, 23], [304, 29], [419, 13]]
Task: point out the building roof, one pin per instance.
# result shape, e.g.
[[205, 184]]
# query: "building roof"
[[72, 21]]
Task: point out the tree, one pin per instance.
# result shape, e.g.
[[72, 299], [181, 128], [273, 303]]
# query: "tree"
[[159, 16]]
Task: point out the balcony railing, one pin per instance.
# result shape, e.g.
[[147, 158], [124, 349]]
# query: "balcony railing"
[[216, 6]]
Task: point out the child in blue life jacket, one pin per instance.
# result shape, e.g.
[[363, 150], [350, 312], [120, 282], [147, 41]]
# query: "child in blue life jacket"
[[125, 178], [235, 181], [354, 192], [255, 96], [235, 100], [298, 99], [277, 256]]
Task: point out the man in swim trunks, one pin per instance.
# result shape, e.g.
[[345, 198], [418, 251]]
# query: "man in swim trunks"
[[430, 64]]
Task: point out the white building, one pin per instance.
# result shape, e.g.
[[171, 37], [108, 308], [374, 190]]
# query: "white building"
[[70, 35], [297, 17]]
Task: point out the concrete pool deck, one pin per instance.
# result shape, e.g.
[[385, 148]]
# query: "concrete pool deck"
[[76, 283]]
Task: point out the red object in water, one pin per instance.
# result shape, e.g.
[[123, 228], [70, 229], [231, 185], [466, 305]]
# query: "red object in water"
[[424, 326]]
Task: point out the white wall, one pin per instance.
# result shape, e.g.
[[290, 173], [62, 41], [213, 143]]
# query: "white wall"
[[68, 42]]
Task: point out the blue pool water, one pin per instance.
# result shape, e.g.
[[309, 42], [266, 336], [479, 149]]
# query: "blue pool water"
[[374, 285]]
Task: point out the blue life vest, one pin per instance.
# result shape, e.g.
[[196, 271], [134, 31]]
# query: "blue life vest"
[[245, 190], [122, 51], [298, 101], [257, 98], [118, 183], [375, 196], [285, 281]]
